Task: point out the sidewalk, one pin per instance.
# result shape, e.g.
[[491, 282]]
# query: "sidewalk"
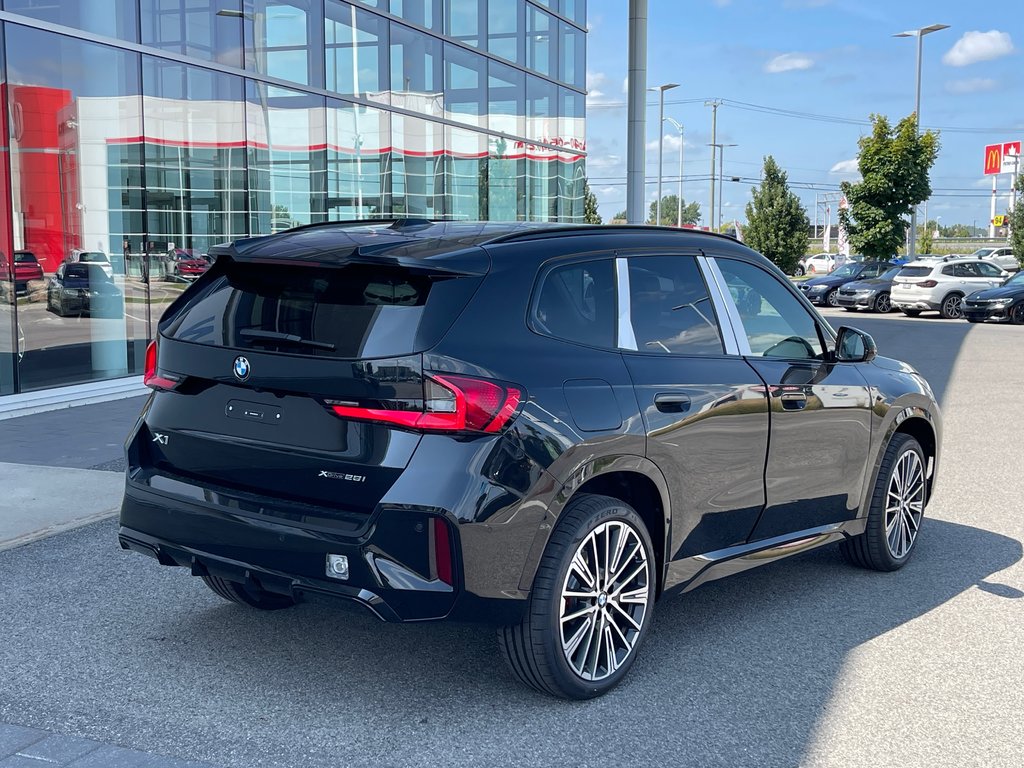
[[62, 469]]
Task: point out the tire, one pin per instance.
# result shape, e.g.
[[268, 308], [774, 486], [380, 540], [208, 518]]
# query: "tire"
[[912, 312], [255, 596], [878, 548], [534, 649], [831, 298], [951, 309], [799, 271], [1017, 314], [883, 304]]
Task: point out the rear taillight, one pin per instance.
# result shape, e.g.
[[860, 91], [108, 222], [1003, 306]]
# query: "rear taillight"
[[927, 284], [452, 404], [150, 378]]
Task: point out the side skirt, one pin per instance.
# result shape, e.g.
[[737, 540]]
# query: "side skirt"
[[689, 573]]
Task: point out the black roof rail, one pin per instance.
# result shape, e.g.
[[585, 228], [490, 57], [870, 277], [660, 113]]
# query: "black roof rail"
[[395, 222], [557, 229]]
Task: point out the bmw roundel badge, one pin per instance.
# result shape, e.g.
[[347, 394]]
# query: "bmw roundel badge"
[[241, 368]]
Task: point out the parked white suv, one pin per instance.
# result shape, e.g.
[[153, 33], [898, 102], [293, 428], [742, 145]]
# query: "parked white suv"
[[1002, 257], [921, 286]]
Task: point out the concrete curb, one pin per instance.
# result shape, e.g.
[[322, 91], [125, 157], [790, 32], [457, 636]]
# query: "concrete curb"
[[51, 530]]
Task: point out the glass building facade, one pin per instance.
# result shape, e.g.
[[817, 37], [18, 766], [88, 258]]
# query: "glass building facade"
[[134, 131]]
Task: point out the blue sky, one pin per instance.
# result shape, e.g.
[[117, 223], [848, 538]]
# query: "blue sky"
[[833, 58]]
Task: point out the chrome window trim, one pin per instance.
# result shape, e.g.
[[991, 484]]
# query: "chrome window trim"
[[625, 338], [734, 337]]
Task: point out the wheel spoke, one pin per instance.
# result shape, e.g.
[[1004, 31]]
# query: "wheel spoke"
[[579, 614], [580, 595], [625, 564], [626, 615], [637, 596], [609, 647], [573, 642], [640, 568], [580, 566], [615, 625]]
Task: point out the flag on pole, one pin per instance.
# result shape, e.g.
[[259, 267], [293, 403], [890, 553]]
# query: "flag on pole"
[[739, 232], [843, 239]]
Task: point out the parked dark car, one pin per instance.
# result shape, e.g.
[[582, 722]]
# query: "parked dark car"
[[82, 288], [824, 290], [872, 293], [546, 427], [185, 265], [26, 268], [1004, 304]]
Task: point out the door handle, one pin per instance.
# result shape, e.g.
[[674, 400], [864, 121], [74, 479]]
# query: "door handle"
[[672, 403], [793, 401]]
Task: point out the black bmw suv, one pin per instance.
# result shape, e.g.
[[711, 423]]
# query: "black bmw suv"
[[545, 427]]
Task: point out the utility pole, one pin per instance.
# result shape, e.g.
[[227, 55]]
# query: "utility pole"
[[679, 216], [721, 178], [714, 137], [637, 115]]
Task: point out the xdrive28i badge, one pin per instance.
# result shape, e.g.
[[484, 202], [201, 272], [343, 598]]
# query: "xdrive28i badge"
[[241, 368]]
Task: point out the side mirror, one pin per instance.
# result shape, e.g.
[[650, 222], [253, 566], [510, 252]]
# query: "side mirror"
[[854, 346]]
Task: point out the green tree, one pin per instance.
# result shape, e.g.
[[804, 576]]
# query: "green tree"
[[590, 214], [670, 211], [1017, 223], [956, 230], [894, 165], [776, 221], [620, 216]]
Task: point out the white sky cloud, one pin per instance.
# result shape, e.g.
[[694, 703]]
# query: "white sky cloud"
[[978, 46], [971, 85], [788, 62], [845, 166], [671, 143]]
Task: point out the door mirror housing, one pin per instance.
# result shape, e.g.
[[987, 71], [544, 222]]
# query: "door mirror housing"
[[854, 346]]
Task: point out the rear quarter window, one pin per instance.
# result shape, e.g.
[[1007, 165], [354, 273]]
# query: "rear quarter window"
[[576, 302]]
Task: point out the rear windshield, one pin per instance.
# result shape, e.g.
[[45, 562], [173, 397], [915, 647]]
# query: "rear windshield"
[[915, 271], [93, 257], [350, 312], [25, 258]]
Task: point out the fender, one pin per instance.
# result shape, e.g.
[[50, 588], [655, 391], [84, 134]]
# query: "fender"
[[595, 466], [909, 406]]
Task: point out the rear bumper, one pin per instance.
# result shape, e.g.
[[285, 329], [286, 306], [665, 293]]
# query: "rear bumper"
[[392, 557], [901, 302]]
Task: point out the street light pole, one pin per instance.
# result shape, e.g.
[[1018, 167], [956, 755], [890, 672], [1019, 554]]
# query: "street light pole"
[[661, 139], [679, 206], [636, 114], [714, 130], [919, 34]]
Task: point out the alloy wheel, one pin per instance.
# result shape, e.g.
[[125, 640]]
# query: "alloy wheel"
[[883, 303], [951, 308], [833, 298], [1017, 314], [904, 504], [605, 597]]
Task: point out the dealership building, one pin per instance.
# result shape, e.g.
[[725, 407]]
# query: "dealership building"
[[144, 130]]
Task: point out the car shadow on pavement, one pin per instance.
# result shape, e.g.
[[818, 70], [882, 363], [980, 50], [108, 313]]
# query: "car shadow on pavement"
[[739, 668]]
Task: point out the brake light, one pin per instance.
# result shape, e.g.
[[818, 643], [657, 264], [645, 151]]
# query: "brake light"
[[150, 377], [927, 284], [452, 404]]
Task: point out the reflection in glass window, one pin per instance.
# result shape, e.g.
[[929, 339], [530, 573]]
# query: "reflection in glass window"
[[75, 151], [9, 346], [113, 18], [284, 38], [205, 29], [670, 308], [506, 99], [506, 181], [575, 10], [417, 79], [465, 20], [425, 13], [357, 55], [417, 174], [572, 130], [358, 161], [285, 139], [570, 187], [195, 160], [540, 42], [465, 86], [505, 29], [541, 111], [466, 174], [775, 322], [573, 50]]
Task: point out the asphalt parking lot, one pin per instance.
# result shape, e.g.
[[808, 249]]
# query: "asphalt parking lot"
[[805, 662]]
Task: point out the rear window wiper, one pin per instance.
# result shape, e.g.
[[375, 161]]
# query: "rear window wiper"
[[287, 338]]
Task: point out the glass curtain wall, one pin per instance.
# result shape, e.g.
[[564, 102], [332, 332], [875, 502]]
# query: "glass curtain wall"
[[120, 170]]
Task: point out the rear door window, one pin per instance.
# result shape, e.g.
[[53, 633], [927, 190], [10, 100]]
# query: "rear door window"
[[576, 302], [358, 311], [670, 308]]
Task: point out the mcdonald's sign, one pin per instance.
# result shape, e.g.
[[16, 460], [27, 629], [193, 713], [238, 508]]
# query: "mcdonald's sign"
[[993, 159]]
